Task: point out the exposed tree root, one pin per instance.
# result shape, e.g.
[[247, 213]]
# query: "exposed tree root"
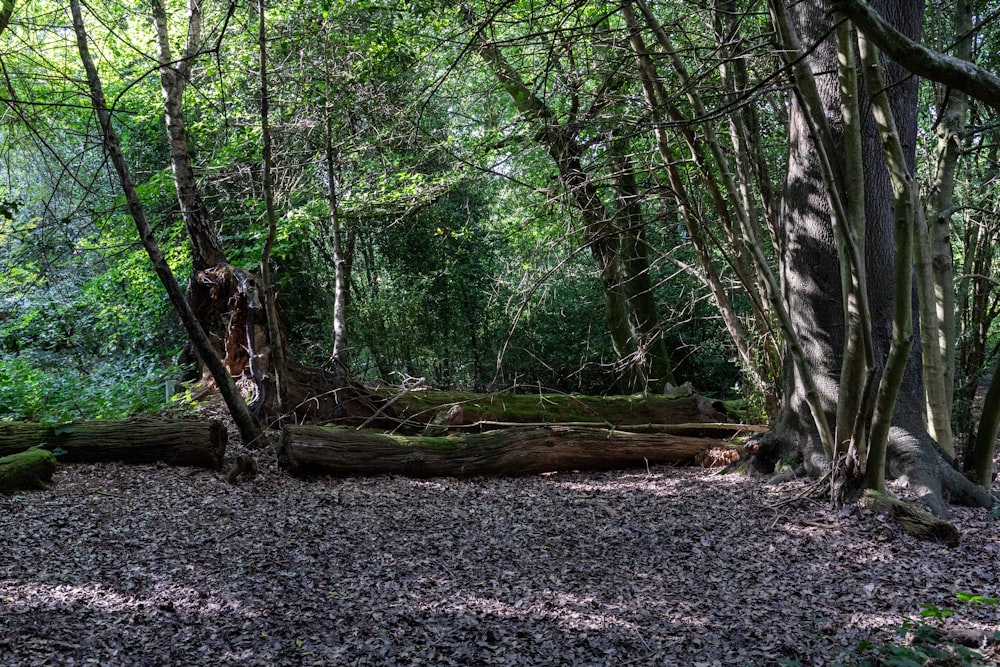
[[917, 522], [914, 460]]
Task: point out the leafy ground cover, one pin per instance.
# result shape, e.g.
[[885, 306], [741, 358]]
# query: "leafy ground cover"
[[148, 565]]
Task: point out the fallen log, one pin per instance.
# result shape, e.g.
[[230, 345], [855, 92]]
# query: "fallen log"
[[187, 442], [521, 450], [450, 411], [31, 469]]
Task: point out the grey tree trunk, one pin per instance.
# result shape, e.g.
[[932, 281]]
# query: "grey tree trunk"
[[810, 268], [206, 251]]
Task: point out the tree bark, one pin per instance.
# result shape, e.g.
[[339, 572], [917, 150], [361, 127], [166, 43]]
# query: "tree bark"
[[979, 457], [269, 297], [490, 411], [811, 268], [904, 48], [513, 451], [655, 95], [187, 442], [206, 251], [30, 469], [247, 425], [242, 319]]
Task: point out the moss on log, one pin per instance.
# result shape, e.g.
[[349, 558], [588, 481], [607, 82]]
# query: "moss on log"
[[917, 522], [512, 451], [190, 442], [31, 469], [463, 411]]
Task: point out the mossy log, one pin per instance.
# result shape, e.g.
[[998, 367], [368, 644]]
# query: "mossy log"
[[462, 411], [916, 521], [31, 469], [188, 442], [519, 450]]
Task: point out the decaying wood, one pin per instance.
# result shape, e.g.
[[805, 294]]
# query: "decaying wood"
[[917, 522], [187, 442], [31, 469], [513, 451], [459, 410]]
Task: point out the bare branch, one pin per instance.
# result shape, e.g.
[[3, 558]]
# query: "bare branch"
[[962, 75]]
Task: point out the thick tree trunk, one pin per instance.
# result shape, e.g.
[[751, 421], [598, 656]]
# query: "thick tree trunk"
[[811, 271], [187, 442], [30, 469], [512, 451]]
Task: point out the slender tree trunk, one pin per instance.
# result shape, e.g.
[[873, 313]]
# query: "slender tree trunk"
[[341, 290], [603, 235], [979, 460], [206, 251], [905, 207], [951, 131], [278, 366], [934, 274], [853, 406], [654, 94], [639, 286], [245, 422]]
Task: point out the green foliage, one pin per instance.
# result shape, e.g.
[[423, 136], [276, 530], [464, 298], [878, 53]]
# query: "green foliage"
[[40, 387], [455, 218], [924, 643]]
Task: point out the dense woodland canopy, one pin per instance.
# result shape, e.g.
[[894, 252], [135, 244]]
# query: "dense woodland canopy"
[[568, 196]]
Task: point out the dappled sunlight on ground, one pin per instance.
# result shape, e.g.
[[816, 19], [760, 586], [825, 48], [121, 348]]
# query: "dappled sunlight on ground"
[[125, 565]]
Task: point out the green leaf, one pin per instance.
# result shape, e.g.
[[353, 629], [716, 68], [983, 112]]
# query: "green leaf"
[[973, 599]]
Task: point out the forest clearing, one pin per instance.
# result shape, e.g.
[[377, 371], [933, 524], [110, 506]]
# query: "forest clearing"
[[154, 565], [432, 267]]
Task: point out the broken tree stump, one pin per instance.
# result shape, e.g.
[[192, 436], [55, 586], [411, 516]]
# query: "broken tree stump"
[[30, 469], [186, 442], [521, 450]]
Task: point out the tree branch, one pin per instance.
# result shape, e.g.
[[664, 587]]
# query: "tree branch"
[[960, 74], [6, 9]]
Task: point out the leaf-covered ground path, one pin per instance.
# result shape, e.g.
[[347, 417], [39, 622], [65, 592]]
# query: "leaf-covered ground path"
[[146, 565]]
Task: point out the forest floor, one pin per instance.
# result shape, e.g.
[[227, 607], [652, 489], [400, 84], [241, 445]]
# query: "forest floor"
[[149, 565]]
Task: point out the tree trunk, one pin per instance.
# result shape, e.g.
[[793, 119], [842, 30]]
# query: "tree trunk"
[[206, 251], [979, 456], [247, 425], [30, 469], [513, 451], [226, 299], [643, 359], [810, 266], [269, 297], [464, 411], [184, 442]]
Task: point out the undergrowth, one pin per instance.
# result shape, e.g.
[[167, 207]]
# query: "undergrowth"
[[924, 642], [37, 388]]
